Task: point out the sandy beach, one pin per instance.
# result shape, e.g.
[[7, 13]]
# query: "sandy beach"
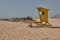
[[20, 31]]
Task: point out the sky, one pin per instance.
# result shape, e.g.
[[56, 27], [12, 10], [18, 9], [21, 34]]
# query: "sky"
[[24, 8]]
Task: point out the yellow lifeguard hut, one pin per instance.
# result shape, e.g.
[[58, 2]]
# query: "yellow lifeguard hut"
[[43, 15]]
